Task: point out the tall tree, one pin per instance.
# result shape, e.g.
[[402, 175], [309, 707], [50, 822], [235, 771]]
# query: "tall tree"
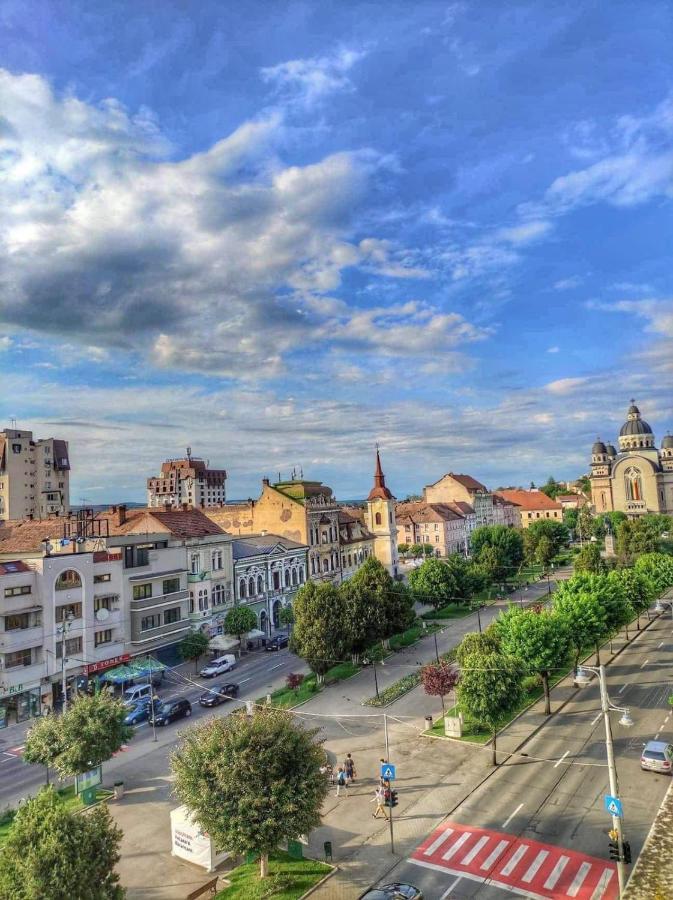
[[252, 782], [193, 646], [490, 686], [589, 559], [363, 617], [439, 679], [52, 853], [539, 639], [374, 582], [320, 635], [506, 553], [611, 597], [487, 641], [638, 588], [286, 616], [658, 567], [433, 582], [544, 552], [239, 621], [635, 537], [585, 620]]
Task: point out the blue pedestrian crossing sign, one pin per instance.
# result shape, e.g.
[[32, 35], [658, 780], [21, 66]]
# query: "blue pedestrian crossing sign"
[[613, 805], [388, 771]]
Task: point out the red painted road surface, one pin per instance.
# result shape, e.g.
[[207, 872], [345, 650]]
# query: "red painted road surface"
[[526, 868]]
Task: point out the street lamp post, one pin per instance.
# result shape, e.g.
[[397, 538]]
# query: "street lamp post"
[[63, 629], [582, 679]]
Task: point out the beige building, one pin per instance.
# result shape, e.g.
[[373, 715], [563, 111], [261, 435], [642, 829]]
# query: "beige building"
[[187, 481], [532, 506], [437, 524], [471, 498], [355, 540], [34, 476], [380, 520], [638, 478]]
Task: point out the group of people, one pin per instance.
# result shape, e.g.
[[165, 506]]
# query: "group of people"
[[346, 775]]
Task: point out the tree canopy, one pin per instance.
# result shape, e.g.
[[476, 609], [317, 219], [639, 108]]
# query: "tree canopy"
[[320, 634], [363, 617], [434, 582], [635, 537], [252, 782], [487, 641], [239, 621], [553, 536], [585, 618], [193, 646], [639, 589], [658, 567], [51, 852], [439, 679], [589, 559], [498, 549]]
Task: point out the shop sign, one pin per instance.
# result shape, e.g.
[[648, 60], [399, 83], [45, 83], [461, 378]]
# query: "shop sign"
[[106, 663], [13, 689]]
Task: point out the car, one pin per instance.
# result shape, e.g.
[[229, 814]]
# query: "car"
[[138, 712], [278, 642], [394, 891], [218, 666], [220, 693], [657, 756], [170, 710]]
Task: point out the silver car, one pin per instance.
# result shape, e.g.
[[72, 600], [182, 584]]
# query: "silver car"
[[657, 756]]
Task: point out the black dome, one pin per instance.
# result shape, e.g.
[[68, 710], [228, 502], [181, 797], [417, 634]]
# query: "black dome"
[[610, 450], [635, 426], [598, 447]]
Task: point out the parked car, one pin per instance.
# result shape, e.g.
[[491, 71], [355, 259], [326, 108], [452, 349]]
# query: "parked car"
[[657, 756], [220, 693], [138, 712], [278, 642], [394, 891], [138, 692], [170, 710], [218, 666]]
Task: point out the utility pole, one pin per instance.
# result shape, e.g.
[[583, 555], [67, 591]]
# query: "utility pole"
[[390, 817], [612, 774], [376, 685], [63, 629]]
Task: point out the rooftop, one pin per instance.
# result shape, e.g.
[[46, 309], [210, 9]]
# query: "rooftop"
[[529, 499]]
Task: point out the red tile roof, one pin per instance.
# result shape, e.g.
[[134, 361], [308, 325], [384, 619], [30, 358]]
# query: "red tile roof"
[[530, 499], [468, 482], [419, 511], [26, 535]]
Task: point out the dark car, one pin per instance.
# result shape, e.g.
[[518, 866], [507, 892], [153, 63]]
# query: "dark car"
[[278, 642], [138, 712], [395, 891], [170, 710], [219, 694]]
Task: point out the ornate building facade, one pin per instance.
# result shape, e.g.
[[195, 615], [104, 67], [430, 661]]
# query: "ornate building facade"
[[636, 479]]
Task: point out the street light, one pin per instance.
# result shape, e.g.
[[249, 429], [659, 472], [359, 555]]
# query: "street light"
[[581, 680], [63, 629]]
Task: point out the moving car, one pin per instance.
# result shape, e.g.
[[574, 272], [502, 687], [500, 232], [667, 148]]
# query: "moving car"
[[138, 692], [220, 693], [277, 642], [218, 666], [657, 756], [394, 891], [138, 712], [170, 710]]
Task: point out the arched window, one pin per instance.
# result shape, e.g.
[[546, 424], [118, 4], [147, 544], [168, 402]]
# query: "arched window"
[[633, 485], [301, 574], [68, 580], [325, 565], [251, 587], [377, 518], [287, 578], [241, 588], [260, 584], [294, 576]]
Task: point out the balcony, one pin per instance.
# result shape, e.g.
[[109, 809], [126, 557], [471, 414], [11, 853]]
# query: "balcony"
[[20, 678], [636, 506], [158, 600], [21, 639]]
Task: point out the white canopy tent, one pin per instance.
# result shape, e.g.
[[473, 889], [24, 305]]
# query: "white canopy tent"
[[223, 642]]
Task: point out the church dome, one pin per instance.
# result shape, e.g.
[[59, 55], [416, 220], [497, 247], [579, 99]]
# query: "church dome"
[[610, 449], [667, 443], [634, 426], [598, 447]]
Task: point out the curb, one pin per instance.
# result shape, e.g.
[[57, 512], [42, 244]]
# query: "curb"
[[650, 834], [320, 883]]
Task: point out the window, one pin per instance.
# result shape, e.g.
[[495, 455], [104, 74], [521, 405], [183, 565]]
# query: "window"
[[68, 611], [251, 587], [142, 591], [171, 585], [276, 581], [137, 555], [102, 637], [216, 560], [218, 595], [172, 615], [191, 602], [72, 646], [104, 602], [436, 526], [195, 564], [101, 579], [377, 518], [241, 588], [18, 591], [287, 578], [633, 485], [203, 600], [68, 580], [18, 658], [19, 621], [436, 539], [260, 584], [147, 623]]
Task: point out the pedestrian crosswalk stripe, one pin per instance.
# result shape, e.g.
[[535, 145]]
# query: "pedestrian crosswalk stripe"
[[458, 844], [534, 866], [514, 861], [437, 843], [578, 881], [491, 858], [470, 855], [602, 885], [556, 872]]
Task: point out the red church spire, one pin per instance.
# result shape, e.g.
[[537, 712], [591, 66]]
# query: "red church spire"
[[379, 491]]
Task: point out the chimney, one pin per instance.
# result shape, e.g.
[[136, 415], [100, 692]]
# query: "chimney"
[[265, 482], [121, 514]]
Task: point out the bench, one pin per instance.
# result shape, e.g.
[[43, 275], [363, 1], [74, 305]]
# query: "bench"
[[210, 887]]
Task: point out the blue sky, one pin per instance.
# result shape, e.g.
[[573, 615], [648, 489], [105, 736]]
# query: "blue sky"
[[282, 232]]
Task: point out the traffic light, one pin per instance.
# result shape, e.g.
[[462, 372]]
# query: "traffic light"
[[614, 850], [391, 799], [626, 852]]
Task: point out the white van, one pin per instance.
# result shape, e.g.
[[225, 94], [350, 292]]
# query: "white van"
[[218, 666], [137, 692]]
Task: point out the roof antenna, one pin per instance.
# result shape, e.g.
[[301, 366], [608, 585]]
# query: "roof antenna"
[[189, 454]]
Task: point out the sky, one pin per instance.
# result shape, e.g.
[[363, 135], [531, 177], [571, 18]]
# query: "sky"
[[281, 233]]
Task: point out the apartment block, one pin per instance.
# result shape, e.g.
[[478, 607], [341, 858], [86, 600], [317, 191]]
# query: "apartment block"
[[34, 476], [187, 481]]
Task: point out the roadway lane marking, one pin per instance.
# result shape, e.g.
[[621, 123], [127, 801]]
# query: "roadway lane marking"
[[447, 892], [470, 855], [511, 816], [602, 885], [243, 680], [556, 872], [642, 665], [276, 667], [656, 736], [494, 854], [559, 761], [597, 718], [437, 843], [534, 866], [578, 880], [659, 646], [623, 687], [466, 835], [514, 861]]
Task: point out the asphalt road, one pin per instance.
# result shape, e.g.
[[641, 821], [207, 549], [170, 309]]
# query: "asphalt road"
[[540, 818]]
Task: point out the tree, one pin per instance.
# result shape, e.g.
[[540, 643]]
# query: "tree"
[[85, 736], [638, 588], [585, 620], [387, 595], [428, 550], [194, 646], [539, 639], [487, 641], [658, 567], [505, 553], [439, 679], [399, 609], [468, 580], [364, 616], [555, 532], [403, 550], [294, 680], [320, 635], [239, 621], [433, 582], [544, 552], [589, 559], [52, 852], [490, 687], [585, 523], [553, 488], [286, 617], [635, 537], [416, 550], [611, 598], [252, 782], [570, 516]]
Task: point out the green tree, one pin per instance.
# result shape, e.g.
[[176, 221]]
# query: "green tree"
[[320, 635], [468, 582], [433, 582], [193, 647], [635, 537], [399, 609], [374, 581], [51, 853], [570, 518], [555, 532], [539, 639], [589, 559], [428, 550], [403, 550], [239, 621], [417, 550], [85, 736], [286, 616], [585, 524], [252, 782], [638, 588], [585, 620], [544, 552], [363, 617], [490, 687], [618, 611], [658, 567], [553, 488], [507, 544], [487, 641], [492, 562]]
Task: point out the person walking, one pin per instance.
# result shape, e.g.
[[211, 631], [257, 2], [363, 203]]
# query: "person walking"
[[340, 781], [349, 768], [380, 800]]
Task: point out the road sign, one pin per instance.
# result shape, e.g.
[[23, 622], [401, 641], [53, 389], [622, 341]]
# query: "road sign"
[[388, 771], [613, 805]]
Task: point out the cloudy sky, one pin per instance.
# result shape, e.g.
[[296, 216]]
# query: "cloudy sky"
[[281, 232]]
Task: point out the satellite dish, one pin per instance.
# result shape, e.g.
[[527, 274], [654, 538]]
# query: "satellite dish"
[[102, 614]]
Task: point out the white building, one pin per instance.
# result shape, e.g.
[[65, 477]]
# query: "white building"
[[34, 476], [187, 481]]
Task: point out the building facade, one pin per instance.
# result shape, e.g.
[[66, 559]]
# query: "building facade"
[[34, 476], [356, 542], [532, 506], [637, 479], [455, 488], [436, 524], [187, 481]]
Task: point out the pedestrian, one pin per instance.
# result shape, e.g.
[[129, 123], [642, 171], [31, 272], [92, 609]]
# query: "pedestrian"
[[349, 768], [380, 800], [341, 780]]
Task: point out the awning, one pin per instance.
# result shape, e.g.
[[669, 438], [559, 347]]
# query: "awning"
[[255, 634], [143, 667], [223, 642]]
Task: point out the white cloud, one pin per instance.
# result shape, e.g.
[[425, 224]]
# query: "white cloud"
[[567, 284], [5, 342], [565, 385], [553, 349], [311, 80], [525, 233]]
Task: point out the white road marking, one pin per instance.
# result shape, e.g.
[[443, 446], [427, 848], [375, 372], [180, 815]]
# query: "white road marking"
[[276, 667], [659, 646], [243, 680], [459, 843], [597, 718], [531, 872], [656, 736], [494, 854], [447, 892], [556, 872], [622, 688], [514, 861], [578, 880], [559, 761], [438, 842], [470, 855], [602, 885], [511, 816], [642, 665], [667, 718]]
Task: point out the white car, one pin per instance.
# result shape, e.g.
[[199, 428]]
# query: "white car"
[[218, 666]]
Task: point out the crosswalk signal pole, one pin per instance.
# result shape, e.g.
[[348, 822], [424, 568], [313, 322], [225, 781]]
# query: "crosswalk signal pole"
[[390, 815]]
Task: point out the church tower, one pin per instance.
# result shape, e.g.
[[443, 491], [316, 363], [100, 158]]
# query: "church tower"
[[380, 519]]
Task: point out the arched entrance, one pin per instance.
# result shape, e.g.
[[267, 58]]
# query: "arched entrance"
[[263, 618], [276, 613]]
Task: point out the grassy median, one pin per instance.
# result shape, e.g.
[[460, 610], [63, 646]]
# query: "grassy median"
[[288, 879]]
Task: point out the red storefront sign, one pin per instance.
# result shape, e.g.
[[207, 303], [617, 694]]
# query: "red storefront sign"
[[106, 664]]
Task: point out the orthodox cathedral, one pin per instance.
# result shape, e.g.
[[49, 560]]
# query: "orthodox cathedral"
[[636, 479]]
